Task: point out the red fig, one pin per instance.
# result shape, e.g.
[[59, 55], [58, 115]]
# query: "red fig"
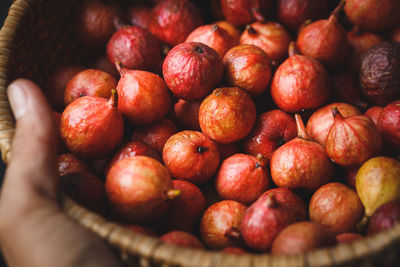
[[389, 124], [301, 163], [183, 239], [352, 140], [140, 16], [231, 29], [346, 88], [68, 163], [187, 113], [242, 12], [385, 217], [373, 114]]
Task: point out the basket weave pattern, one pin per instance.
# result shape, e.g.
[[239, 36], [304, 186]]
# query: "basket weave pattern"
[[36, 37]]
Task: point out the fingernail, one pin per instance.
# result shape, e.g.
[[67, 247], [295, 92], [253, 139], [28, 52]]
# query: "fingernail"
[[18, 100]]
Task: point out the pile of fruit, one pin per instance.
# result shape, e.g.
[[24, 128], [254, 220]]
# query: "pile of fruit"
[[274, 127]]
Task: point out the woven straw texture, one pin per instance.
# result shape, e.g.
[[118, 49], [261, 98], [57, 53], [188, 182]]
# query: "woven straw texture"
[[36, 37]]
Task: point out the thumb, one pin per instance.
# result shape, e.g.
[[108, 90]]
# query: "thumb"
[[32, 165]]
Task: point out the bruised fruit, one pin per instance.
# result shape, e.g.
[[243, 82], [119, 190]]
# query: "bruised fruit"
[[139, 189], [182, 239], [142, 96], [380, 73], [242, 178], [92, 127], [192, 70], [389, 124], [385, 217], [68, 163], [302, 237], [337, 207], [271, 130], [378, 182], [227, 115], [220, 224], [192, 156], [301, 163], [89, 82]]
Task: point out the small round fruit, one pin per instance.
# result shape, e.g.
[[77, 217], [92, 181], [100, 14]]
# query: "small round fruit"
[[373, 114], [389, 124], [385, 217], [182, 239]]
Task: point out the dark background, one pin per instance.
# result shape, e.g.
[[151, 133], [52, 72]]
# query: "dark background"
[[4, 6]]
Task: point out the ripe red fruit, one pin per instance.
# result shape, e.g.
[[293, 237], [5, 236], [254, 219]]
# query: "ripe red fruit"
[[190, 202], [182, 239], [247, 67], [352, 140], [192, 70], [55, 85], [219, 226], [132, 149], [192, 156], [373, 15], [385, 217], [227, 115], [337, 207], [85, 188], [187, 114], [139, 15], [156, 134], [348, 238], [325, 40], [271, 37], [173, 20], [302, 237], [214, 36], [92, 127], [134, 48], [263, 221], [321, 121], [300, 83], [301, 163], [95, 24], [68, 163], [142, 96], [89, 82], [389, 124], [346, 88], [373, 113], [242, 178], [242, 12], [271, 130], [139, 189], [231, 29]]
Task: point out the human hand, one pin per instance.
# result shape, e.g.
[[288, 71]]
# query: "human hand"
[[34, 231]]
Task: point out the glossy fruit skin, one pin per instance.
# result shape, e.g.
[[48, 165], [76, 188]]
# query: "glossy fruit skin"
[[346, 88], [173, 20], [373, 114], [55, 85], [231, 29], [218, 223], [85, 188], [348, 238], [214, 36], [379, 76], [89, 82], [271, 37], [389, 124], [242, 178], [373, 15], [337, 207], [352, 140], [247, 67], [227, 115], [132, 149], [68, 163], [300, 83], [187, 113], [242, 12], [137, 189], [190, 202], [326, 41], [263, 221], [321, 121], [143, 97], [135, 48], [302, 237], [156, 134], [139, 15], [91, 127], [271, 130], [192, 70], [292, 13], [182, 239], [192, 156], [378, 182], [385, 217]]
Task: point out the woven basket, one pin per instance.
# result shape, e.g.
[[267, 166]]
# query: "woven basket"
[[36, 37]]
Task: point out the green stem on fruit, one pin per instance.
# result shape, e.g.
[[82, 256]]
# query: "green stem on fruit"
[[113, 98], [173, 193], [232, 233], [301, 129], [336, 113]]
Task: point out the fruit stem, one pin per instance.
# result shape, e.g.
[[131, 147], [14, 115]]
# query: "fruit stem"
[[120, 67], [198, 49], [173, 193], [233, 233], [301, 129], [202, 149], [250, 30], [257, 14], [336, 113], [113, 98], [261, 161], [271, 201], [217, 91], [214, 28], [335, 13], [293, 50]]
